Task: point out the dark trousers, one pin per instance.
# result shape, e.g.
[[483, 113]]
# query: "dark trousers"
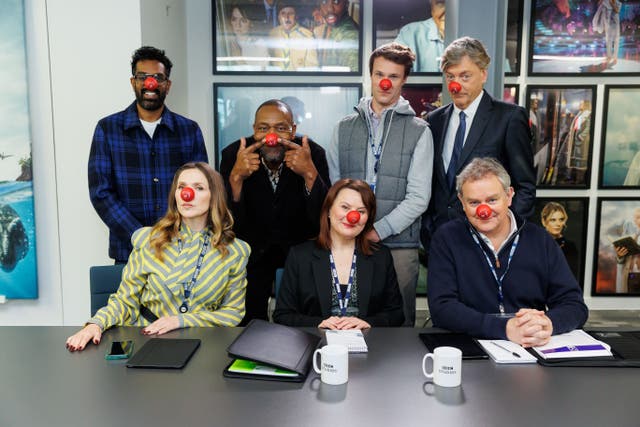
[[261, 272]]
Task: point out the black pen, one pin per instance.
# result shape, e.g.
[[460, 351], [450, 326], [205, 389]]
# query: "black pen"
[[505, 349]]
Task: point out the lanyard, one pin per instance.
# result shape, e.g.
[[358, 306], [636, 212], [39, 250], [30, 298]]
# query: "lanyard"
[[188, 286], [514, 244], [334, 272]]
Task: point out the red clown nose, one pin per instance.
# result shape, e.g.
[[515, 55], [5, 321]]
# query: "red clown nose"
[[150, 83], [353, 217], [483, 211], [385, 84], [187, 194], [271, 140], [454, 87]]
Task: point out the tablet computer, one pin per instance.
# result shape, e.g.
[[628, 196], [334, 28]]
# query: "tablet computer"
[[469, 347], [164, 353]]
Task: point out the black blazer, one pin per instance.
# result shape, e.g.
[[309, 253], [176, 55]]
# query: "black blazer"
[[499, 130], [287, 217], [304, 298]]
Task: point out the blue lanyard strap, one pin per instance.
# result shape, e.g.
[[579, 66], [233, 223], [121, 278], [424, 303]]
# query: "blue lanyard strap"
[[336, 282], [499, 280], [189, 285]]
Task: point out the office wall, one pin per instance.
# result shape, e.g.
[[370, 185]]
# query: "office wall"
[[78, 56]]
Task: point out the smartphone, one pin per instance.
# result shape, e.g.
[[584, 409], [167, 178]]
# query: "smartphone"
[[119, 350]]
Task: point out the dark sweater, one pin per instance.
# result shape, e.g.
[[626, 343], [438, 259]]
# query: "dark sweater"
[[463, 294]]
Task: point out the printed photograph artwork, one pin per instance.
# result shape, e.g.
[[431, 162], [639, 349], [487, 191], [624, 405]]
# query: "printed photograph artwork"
[[301, 36], [561, 120], [419, 24], [617, 257], [18, 266], [584, 37], [316, 109], [620, 151], [565, 219]]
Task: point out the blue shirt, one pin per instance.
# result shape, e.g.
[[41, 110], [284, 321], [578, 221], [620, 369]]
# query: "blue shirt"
[[130, 174], [424, 40]]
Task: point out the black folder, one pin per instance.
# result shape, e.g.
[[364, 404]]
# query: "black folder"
[[167, 353], [275, 345]]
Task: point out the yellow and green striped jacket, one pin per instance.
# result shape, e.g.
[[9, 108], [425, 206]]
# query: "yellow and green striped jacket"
[[217, 297]]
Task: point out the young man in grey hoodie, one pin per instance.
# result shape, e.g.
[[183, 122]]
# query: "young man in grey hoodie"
[[385, 144]]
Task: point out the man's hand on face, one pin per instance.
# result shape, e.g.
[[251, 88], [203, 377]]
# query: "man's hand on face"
[[298, 159], [247, 160]]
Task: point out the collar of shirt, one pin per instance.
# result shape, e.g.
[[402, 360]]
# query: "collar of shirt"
[[512, 231], [131, 118], [375, 119], [274, 175], [452, 128], [186, 234], [470, 111]]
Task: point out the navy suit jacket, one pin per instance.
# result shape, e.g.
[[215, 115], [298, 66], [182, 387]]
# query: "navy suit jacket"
[[499, 130]]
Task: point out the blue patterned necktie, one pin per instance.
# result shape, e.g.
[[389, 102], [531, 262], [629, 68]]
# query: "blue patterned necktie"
[[457, 149]]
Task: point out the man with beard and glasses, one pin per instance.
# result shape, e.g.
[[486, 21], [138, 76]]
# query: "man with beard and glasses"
[[135, 153], [276, 190]]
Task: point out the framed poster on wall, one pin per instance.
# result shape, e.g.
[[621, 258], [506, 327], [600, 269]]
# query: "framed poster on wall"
[[620, 148], [316, 108], [565, 219], [18, 263], [584, 37], [419, 24], [616, 259], [561, 119], [275, 37]]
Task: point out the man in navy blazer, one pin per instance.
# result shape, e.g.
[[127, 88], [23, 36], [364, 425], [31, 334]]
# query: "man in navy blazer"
[[490, 128]]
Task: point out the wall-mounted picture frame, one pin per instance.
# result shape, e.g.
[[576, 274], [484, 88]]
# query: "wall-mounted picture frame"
[[616, 259], [562, 123], [298, 37], [565, 219], [511, 93], [420, 25], [423, 98], [584, 37], [620, 148], [317, 108]]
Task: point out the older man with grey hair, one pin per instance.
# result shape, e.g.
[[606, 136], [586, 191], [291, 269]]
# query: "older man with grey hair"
[[475, 125], [492, 274]]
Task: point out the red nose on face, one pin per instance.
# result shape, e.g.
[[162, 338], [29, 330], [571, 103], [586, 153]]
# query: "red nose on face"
[[150, 83], [353, 217], [483, 211], [271, 139], [385, 84], [454, 87], [187, 194]]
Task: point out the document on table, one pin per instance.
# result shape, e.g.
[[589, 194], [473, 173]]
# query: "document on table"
[[351, 338], [504, 351], [574, 344]]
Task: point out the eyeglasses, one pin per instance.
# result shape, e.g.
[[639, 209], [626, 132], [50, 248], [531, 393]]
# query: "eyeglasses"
[[464, 77], [278, 128], [141, 77]]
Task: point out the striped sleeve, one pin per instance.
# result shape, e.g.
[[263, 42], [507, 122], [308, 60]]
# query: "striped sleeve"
[[124, 305], [229, 310]]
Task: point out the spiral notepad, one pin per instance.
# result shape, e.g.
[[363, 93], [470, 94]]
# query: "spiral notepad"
[[352, 339]]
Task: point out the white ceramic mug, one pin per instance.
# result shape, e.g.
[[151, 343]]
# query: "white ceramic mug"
[[334, 365], [447, 366]]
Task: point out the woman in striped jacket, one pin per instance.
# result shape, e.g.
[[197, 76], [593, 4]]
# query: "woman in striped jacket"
[[187, 270]]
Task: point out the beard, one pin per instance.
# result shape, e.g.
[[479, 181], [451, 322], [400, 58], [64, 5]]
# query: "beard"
[[272, 156], [152, 104]]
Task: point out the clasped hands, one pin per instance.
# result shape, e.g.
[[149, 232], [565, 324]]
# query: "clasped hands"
[[93, 332], [529, 328], [347, 322]]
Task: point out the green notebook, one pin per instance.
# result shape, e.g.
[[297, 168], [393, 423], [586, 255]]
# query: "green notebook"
[[248, 367]]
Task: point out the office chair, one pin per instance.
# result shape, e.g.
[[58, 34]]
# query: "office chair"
[[103, 281]]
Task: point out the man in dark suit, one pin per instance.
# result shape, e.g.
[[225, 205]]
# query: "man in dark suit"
[[275, 192], [486, 128]]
